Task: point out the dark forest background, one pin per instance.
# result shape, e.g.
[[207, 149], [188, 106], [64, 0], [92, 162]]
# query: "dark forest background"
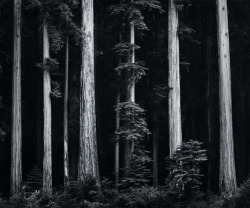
[[198, 32]]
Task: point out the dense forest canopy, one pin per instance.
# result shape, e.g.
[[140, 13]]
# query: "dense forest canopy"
[[127, 98]]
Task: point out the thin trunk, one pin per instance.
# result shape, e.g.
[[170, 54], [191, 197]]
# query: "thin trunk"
[[47, 155], [65, 123], [117, 142], [155, 143], [227, 179], [88, 159], [129, 145], [16, 123], [174, 100]]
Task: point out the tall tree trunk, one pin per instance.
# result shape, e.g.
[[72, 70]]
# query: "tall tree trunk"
[[88, 159], [117, 124], [227, 182], [16, 123], [47, 154], [129, 145], [65, 117], [174, 100]]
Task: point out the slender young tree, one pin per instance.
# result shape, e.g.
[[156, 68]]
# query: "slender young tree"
[[227, 180], [88, 159], [47, 154], [174, 99], [117, 123], [65, 117], [16, 123], [129, 145]]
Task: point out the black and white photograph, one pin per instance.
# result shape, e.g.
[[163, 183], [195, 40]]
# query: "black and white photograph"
[[124, 103]]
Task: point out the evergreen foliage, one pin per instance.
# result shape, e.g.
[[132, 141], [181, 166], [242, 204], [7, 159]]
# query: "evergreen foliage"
[[184, 169], [134, 126]]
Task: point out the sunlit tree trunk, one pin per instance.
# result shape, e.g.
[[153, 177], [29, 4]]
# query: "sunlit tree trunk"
[[174, 100], [47, 154], [129, 145], [65, 117], [88, 159], [227, 178], [16, 123]]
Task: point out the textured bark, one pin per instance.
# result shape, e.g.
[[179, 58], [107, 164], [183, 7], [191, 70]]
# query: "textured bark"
[[65, 116], [174, 100], [227, 180], [47, 154], [16, 123], [88, 161]]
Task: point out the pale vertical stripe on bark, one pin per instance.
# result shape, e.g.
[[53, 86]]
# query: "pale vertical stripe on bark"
[[65, 123], [88, 159], [129, 145], [16, 123], [174, 100], [47, 155], [227, 180]]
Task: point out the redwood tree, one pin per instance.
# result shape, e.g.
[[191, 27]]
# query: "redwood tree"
[[16, 124], [88, 159], [47, 125], [227, 180], [174, 99]]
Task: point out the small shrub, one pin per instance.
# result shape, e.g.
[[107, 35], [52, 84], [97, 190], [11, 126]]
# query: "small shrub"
[[184, 178]]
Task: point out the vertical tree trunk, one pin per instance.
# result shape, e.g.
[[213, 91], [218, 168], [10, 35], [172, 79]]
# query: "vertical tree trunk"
[[65, 117], [117, 125], [155, 143], [174, 100], [227, 178], [88, 161], [47, 154], [129, 145], [16, 123]]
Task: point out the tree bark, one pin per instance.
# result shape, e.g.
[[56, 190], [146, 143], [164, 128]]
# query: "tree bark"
[[16, 123], [227, 179], [65, 117], [117, 124], [88, 159], [47, 154], [129, 145], [174, 100]]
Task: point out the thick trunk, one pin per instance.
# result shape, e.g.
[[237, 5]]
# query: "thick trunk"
[[47, 154], [88, 159], [174, 101], [227, 178], [16, 123], [65, 117]]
